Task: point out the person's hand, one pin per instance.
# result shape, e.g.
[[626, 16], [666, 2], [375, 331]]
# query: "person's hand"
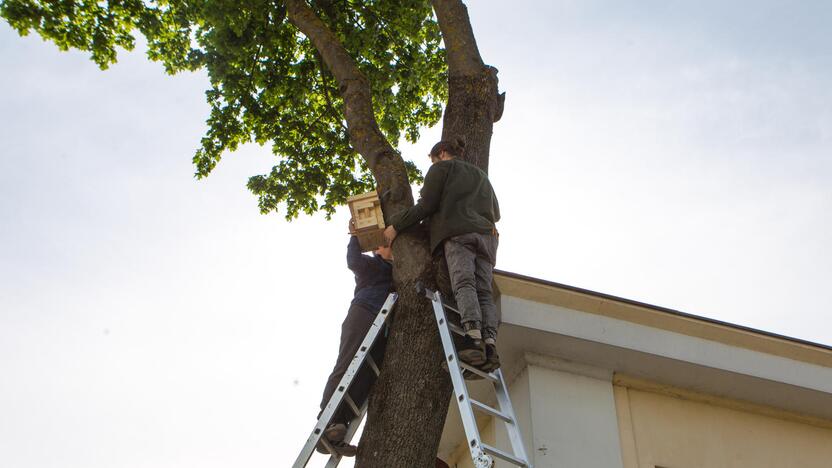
[[351, 226], [390, 234]]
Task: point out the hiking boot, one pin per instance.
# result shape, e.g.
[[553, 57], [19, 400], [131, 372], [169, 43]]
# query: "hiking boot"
[[474, 354], [341, 448], [472, 351], [321, 448], [344, 449], [492, 359], [334, 434]]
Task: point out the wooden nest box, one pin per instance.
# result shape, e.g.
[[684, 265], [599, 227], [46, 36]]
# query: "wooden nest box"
[[369, 221]]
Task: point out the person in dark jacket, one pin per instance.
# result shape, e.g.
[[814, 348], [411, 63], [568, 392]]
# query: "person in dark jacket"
[[373, 282], [463, 210]]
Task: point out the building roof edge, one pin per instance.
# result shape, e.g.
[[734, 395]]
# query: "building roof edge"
[[665, 310]]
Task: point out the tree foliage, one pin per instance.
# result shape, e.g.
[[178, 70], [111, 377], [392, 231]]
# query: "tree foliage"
[[268, 83]]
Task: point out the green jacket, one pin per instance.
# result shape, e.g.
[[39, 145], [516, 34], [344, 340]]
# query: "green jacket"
[[457, 197]]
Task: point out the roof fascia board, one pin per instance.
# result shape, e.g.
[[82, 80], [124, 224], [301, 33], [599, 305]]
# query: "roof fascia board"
[[624, 334], [665, 319]]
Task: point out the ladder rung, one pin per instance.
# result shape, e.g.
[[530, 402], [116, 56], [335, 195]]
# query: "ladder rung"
[[429, 295], [504, 455], [444, 304], [456, 329], [492, 411], [328, 447], [372, 364], [480, 373], [355, 409]]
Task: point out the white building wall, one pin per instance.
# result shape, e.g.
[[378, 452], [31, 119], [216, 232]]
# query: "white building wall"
[[572, 420]]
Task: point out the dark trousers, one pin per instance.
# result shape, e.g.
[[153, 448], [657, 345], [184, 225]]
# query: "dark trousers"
[[471, 258], [355, 327]]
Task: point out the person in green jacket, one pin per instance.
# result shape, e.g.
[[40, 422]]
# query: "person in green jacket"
[[458, 199]]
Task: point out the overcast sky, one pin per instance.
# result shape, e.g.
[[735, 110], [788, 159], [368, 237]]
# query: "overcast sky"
[[674, 153]]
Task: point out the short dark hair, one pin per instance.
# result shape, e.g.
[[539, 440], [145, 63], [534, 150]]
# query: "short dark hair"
[[455, 148]]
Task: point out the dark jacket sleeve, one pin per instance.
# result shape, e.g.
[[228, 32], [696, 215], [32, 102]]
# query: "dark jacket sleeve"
[[429, 198], [356, 261]]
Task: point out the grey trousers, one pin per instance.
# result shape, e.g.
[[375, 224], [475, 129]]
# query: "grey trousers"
[[355, 327], [471, 258]]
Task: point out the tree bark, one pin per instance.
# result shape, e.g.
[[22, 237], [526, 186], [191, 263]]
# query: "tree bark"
[[474, 103], [409, 404]]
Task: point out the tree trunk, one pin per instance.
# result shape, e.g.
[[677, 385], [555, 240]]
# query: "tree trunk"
[[409, 403], [474, 103]]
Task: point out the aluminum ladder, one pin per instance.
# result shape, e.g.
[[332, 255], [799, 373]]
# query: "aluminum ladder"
[[481, 453], [340, 394]]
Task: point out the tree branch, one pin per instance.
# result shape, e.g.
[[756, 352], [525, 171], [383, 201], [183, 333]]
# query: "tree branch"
[[365, 134], [325, 90], [460, 45], [474, 102]]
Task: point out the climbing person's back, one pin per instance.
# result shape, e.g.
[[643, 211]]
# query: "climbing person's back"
[[468, 203], [460, 203]]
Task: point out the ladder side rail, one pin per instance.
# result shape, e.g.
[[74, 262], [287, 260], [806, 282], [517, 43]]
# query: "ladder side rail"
[[513, 428], [469, 422], [334, 401]]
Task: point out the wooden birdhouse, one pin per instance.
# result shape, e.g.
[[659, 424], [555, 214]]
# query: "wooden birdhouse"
[[369, 221]]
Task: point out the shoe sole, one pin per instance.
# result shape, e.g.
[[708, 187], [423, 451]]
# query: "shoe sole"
[[465, 373], [346, 450], [332, 434], [471, 376], [320, 448], [490, 367], [474, 357]]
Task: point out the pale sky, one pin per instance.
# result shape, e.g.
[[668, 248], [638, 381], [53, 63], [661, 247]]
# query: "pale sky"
[[668, 152]]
